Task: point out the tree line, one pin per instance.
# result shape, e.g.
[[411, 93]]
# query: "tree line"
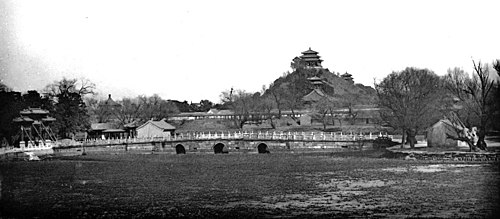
[[75, 106], [410, 101], [413, 99]]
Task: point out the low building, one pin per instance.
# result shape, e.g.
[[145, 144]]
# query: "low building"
[[155, 129], [105, 131], [437, 134]]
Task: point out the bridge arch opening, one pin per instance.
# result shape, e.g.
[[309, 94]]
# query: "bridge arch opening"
[[262, 148], [179, 149], [220, 148]]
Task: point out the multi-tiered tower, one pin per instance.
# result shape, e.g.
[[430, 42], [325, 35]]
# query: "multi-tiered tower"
[[35, 128], [311, 59]]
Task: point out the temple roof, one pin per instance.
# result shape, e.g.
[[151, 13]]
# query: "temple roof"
[[346, 75], [309, 51], [110, 102], [314, 78], [314, 95], [311, 56], [34, 111], [22, 119]]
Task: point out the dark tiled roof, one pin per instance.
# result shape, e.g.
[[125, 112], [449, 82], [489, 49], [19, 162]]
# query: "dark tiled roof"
[[314, 95], [346, 75], [309, 51], [310, 56]]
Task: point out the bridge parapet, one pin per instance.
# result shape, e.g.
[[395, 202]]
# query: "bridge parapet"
[[305, 136], [248, 136]]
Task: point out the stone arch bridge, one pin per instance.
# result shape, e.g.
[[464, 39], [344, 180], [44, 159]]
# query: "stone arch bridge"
[[231, 142], [260, 142]]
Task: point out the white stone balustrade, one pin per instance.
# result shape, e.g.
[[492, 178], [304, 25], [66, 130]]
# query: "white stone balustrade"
[[290, 136]]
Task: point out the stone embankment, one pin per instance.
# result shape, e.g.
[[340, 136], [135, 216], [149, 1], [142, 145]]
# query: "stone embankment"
[[448, 155]]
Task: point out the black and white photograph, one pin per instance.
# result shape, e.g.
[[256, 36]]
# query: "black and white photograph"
[[249, 109]]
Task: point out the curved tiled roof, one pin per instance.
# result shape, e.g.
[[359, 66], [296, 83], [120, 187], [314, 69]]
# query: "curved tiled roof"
[[33, 111], [22, 119], [110, 102], [309, 51]]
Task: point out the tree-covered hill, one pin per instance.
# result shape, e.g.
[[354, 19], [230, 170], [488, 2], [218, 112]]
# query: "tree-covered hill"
[[297, 84]]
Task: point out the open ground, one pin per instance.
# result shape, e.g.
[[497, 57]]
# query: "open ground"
[[343, 184]]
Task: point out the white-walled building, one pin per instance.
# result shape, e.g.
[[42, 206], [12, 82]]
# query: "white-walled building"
[[155, 129]]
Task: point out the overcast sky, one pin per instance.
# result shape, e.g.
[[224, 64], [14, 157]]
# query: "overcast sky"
[[194, 50]]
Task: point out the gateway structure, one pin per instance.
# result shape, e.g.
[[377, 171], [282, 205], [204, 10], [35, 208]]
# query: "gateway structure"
[[35, 131]]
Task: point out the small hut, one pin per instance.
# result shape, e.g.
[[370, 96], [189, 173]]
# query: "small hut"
[[437, 134], [105, 131], [155, 129]]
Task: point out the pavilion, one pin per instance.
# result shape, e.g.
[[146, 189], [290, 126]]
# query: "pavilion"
[[35, 127], [311, 59]]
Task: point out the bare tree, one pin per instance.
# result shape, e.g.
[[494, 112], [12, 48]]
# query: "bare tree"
[[130, 110], [69, 108], [81, 87], [475, 95], [410, 100], [97, 113], [278, 94], [154, 107], [323, 108], [266, 105], [241, 103]]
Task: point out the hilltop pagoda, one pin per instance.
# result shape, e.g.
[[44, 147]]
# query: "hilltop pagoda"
[[311, 59]]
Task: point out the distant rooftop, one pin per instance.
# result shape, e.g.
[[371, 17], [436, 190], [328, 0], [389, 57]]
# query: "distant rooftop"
[[34, 111], [110, 102]]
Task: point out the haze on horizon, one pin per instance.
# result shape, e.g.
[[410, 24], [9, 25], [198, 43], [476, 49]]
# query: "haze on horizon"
[[194, 50]]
